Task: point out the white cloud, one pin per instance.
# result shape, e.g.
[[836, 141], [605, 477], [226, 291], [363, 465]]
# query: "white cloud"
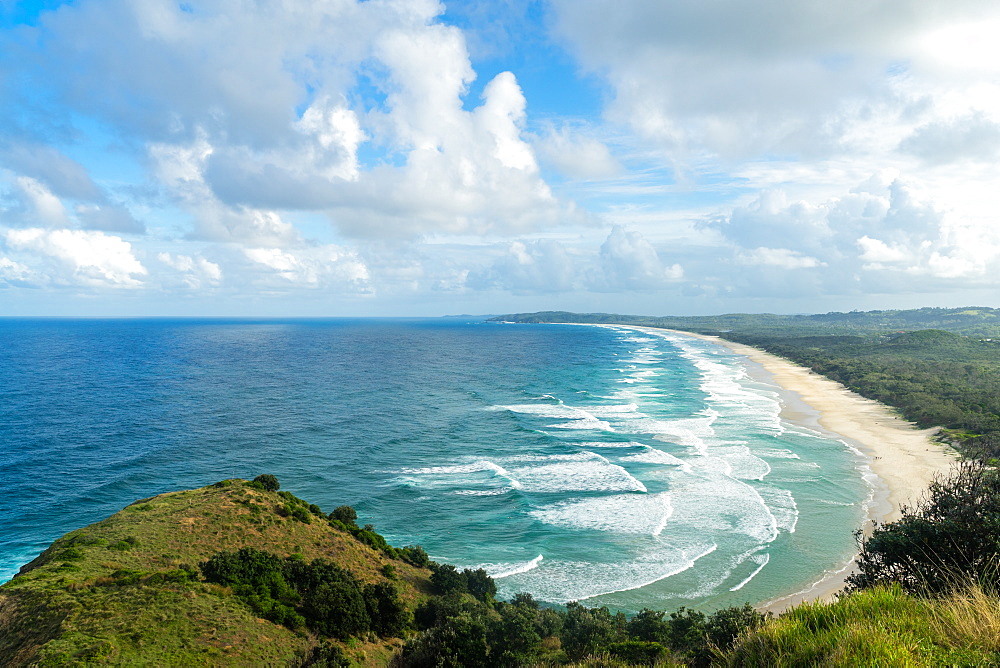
[[270, 119], [195, 272], [89, 257], [780, 257], [578, 156], [38, 205], [16, 274], [781, 76], [540, 266], [108, 218], [631, 262], [324, 266]]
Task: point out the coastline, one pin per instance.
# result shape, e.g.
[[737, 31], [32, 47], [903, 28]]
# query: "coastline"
[[903, 458]]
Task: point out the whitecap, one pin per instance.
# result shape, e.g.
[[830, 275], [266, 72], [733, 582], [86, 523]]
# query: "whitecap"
[[762, 561], [498, 571], [562, 581], [621, 513], [583, 472]]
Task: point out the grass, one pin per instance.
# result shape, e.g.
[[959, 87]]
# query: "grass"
[[878, 627], [126, 590]]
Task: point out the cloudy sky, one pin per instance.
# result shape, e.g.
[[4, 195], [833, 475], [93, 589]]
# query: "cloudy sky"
[[413, 157]]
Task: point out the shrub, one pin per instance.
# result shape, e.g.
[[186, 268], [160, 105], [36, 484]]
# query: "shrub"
[[480, 584], [389, 617], [345, 514], [415, 555], [446, 579], [638, 653], [951, 537], [267, 482], [587, 630]]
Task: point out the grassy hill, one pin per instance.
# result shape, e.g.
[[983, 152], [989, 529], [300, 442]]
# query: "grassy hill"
[[125, 591]]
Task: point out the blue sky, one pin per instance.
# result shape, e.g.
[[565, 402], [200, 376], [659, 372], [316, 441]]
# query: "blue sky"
[[412, 157]]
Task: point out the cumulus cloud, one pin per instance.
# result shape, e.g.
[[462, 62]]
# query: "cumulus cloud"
[[36, 205], [971, 137], [18, 275], [629, 261], [193, 272], [61, 175], [776, 76], [879, 236], [108, 218], [324, 266], [86, 257], [273, 117], [779, 257], [578, 156], [540, 266]]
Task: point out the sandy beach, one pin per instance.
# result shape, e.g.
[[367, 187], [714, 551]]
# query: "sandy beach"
[[904, 457]]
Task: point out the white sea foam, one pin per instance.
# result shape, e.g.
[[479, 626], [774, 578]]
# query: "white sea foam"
[[583, 472], [716, 504], [782, 505], [743, 463], [621, 513], [653, 456], [484, 492], [464, 472], [505, 570], [585, 424], [609, 444], [762, 560], [562, 581], [690, 432]]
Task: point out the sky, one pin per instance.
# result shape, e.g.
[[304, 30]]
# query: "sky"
[[423, 158]]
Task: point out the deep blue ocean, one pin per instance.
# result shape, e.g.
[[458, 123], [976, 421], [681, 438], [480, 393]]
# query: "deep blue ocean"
[[604, 464]]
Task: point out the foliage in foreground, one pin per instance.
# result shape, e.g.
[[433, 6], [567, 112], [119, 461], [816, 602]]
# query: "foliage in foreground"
[[460, 631], [951, 536], [883, 626]]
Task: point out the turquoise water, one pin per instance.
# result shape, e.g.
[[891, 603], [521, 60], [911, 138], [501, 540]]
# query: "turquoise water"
[[610, 465]]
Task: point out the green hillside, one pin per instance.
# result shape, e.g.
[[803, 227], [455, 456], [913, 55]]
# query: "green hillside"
[[126, 590]]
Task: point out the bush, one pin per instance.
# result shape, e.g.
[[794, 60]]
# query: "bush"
[[951, 537], [345, 514], [389, 617], [415, 555], [587, 630], [480, 584], [447, 580], [638, 653], [267, 482]]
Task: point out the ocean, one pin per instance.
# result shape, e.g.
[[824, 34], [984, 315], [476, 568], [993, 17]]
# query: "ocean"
[[603, 464]]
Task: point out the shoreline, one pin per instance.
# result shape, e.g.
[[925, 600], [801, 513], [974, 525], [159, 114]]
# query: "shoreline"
[[901, 456]]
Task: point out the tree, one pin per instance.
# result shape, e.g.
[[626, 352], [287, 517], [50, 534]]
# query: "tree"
[[389, 617], [480, 584], [952, 535], [345, 514], [268, 482]]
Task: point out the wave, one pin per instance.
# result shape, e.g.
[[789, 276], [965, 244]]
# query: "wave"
[[645, 514], [500, 571], [759, 559], [560, 581]]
